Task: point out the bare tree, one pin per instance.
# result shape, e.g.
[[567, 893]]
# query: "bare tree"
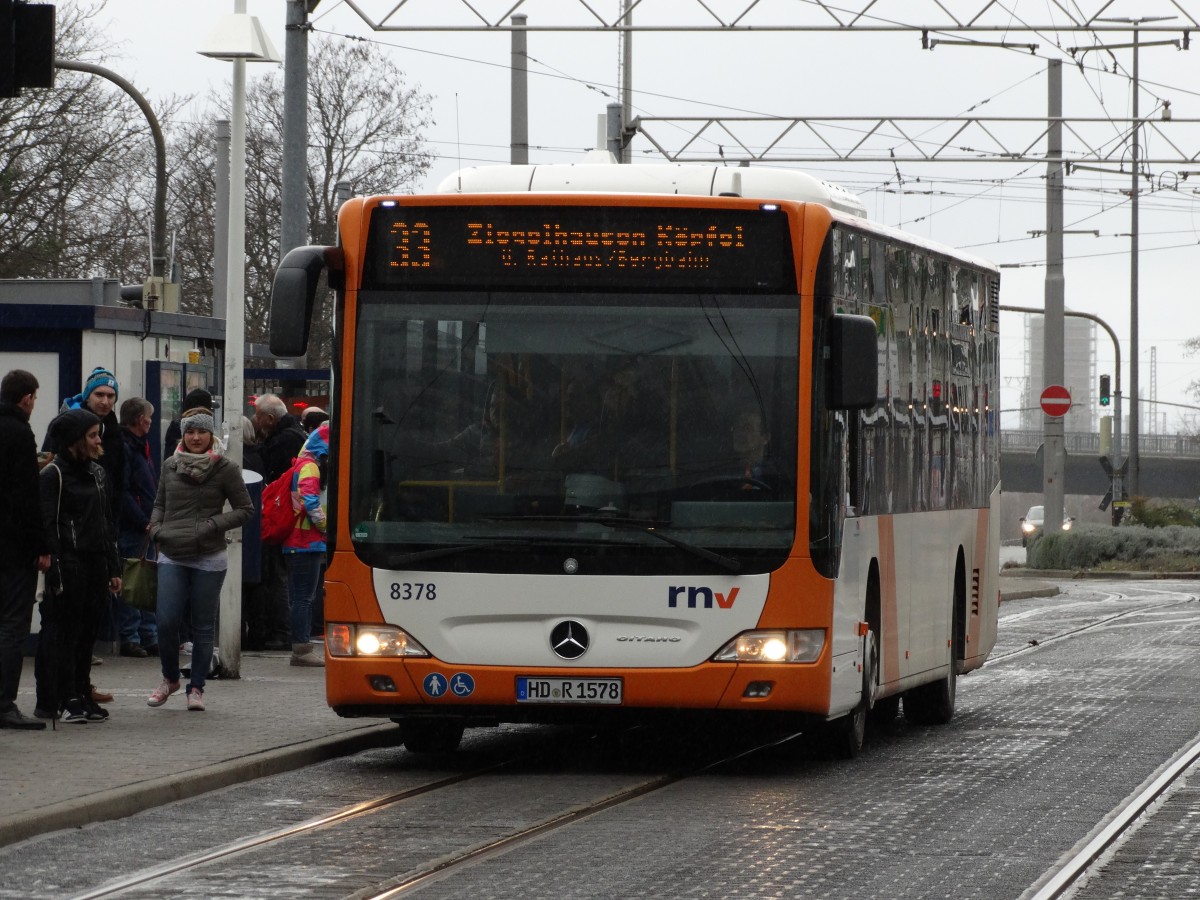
[[77, 184], [365, 127], [191, 212]]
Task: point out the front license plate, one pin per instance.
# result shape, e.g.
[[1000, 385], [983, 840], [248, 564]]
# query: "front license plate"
[[569, 690]]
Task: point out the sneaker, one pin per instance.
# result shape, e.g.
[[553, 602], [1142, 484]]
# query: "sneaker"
[[162, 692], [95, 712], [195, 698], [74, 712], [307, 659], [135, 650]]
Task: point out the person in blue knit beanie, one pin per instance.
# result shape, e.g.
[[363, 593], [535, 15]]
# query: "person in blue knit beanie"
[[99, 397], [100, 378]]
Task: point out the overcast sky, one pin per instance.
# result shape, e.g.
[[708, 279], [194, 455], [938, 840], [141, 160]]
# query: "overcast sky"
[[987, 207]]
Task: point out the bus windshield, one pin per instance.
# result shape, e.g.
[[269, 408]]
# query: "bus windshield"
[[616, 432]]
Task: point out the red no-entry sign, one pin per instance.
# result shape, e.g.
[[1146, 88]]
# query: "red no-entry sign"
[[1056, 400]]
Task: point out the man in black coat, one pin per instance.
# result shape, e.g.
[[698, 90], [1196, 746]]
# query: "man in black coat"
[[99, 397], [281, 438], [24, 548]]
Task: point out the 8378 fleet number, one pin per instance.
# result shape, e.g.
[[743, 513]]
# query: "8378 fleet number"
[[413, 590]]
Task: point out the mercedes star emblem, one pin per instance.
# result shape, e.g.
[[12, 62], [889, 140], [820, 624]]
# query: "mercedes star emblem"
[[569, 639]]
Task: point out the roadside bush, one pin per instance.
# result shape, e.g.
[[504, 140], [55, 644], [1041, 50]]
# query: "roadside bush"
[[1169, 548], [1156, 514]]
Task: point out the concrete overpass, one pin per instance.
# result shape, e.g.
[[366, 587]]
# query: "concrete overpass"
[[1170, 470]]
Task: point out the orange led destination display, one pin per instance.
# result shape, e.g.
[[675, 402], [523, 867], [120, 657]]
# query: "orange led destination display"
[[579, 248]]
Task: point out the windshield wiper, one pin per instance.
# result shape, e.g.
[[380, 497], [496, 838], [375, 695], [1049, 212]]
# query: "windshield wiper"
[[399, 562], [725, 562], [561, 517], [643, 525]]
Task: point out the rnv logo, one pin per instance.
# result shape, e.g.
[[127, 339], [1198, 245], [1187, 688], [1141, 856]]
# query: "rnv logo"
[[700, 596]]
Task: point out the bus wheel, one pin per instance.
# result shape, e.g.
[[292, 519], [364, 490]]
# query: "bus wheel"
[[931, 704], [430, 735], [843, 738]]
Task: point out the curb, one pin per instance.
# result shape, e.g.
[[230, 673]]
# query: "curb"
[[1069, 575], [1048, 591], [116, 803]]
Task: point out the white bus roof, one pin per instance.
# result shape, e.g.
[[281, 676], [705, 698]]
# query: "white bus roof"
[[690, 180], [681, 179]]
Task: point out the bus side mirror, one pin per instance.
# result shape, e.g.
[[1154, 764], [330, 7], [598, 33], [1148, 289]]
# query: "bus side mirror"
[[852, 363], [294, 293]]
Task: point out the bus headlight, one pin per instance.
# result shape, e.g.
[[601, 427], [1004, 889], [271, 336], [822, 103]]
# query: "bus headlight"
[[343, 639], [802, 645]]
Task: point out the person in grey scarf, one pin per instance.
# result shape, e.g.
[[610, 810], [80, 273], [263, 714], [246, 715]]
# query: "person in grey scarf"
[[188, 524]]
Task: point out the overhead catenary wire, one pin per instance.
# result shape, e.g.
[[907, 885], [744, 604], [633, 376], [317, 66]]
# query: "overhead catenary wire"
[[994, 185]]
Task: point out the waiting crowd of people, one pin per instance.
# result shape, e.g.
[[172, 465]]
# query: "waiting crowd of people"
[[95, 496]]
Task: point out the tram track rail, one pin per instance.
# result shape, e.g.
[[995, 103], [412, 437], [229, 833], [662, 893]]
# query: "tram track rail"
[[440, 868], [263, 839], [1088, 858], [1034, 646], [471, 856], [1120, 825]]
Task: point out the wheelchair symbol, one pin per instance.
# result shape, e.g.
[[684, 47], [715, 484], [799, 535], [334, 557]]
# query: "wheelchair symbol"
[[462, 684]]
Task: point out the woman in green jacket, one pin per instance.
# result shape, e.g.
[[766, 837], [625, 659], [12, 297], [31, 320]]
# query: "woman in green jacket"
[[188, 525]]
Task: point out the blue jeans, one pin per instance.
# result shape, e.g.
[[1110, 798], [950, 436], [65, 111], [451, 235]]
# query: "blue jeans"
[[303, 575], [136, 626], [184, 591]]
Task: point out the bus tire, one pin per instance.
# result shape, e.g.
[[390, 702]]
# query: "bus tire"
[[933, 703], [430, 735], [843, 737]]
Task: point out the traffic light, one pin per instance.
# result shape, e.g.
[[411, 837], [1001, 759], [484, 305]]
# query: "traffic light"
[[1105, 396], [26, 46]]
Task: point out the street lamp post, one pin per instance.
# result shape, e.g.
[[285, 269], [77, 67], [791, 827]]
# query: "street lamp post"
[[237, 38]]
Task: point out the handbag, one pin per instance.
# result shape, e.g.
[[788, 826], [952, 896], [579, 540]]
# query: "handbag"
[[139, 581]]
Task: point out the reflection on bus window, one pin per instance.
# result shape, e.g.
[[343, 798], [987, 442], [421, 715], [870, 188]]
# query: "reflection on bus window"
[[501, 418]]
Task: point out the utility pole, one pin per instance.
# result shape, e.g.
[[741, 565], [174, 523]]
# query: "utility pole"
[[1134, 399], [626, 154], [293, 219], [1054, 457], [1134, 187], [519, 149]]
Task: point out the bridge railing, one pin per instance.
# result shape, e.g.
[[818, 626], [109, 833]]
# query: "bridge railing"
[[1015, 440]]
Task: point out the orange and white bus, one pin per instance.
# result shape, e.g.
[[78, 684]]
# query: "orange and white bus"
[[617, 440]]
